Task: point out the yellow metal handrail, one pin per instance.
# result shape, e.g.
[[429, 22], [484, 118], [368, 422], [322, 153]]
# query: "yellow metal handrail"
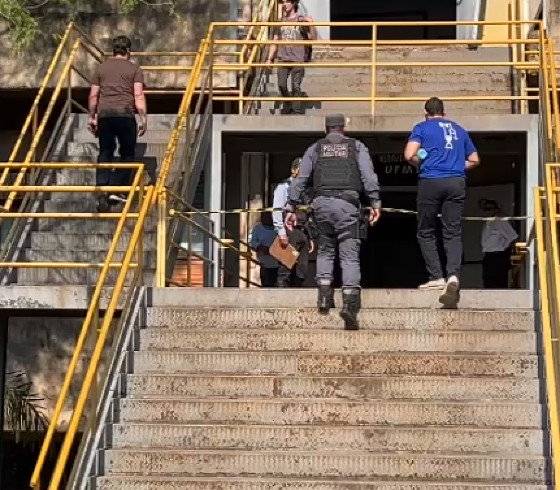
[[546, 222], [204, 63], [146, 201], [243, 67], [135, 244]]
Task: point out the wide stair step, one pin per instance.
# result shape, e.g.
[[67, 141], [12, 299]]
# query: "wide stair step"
[[231, 389], [343, 464], [402, 81], [292, 411], [229, 483]]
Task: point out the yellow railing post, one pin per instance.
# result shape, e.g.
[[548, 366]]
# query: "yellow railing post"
[[211, 69], [241, 82], [161, 239], [554, 94], [373, 67], [140, 248]]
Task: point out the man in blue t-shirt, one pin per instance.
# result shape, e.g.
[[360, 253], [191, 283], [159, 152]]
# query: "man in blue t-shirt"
[[443, 151]]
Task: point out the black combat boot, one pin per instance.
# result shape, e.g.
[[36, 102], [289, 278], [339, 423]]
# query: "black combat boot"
[[351, 307], [326, 299]]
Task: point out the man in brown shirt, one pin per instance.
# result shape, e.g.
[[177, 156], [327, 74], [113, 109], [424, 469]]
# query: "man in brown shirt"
[[116, 92]]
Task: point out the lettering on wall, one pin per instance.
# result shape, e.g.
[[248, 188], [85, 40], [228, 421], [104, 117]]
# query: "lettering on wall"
[[393, 169]]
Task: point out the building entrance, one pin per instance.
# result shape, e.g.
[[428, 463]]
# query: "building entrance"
[[391, 257], [409, 11]]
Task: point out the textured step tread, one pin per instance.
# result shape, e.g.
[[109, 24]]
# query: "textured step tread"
[[294, 411], [379, 318], [471, 299], [345, 463], [244, 483], [332, 438], [79, 241], [402, 363], [340, 340], [348, 387], [82, 277]]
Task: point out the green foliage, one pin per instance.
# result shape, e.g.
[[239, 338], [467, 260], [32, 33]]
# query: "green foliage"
[[22, 25], [23, 412], [21, 16]]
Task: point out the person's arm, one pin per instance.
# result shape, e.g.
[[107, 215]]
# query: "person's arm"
[[413, 145], [298, 186], [410, 152], [369, 180], [256, 242], [279, 201], [473, 159], [273, 49], [312, 29], [140, 101], [93, 101], [301, 182]]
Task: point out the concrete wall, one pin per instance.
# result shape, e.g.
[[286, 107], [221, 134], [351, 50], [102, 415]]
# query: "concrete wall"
[[533, 8], [42, 348], [151, 29]]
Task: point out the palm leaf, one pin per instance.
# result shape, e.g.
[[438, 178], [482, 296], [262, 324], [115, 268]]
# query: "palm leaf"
[[23, 413]]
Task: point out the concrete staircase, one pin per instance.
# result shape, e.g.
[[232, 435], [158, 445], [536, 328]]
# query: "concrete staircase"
[[89, 240], [247, 390], [401, 81]]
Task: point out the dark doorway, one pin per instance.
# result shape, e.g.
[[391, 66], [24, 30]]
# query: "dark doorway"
[[391, 257], [410, 11]]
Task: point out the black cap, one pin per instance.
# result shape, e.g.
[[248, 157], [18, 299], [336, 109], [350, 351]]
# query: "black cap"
[[335, 120]]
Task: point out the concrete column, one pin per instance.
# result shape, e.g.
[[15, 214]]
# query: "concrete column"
[[551, 15], [531, 181], [253, 172], [320, 10], [233, 197], [213, 193], [469, 10]]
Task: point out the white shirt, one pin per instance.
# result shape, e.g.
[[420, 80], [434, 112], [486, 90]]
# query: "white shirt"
[[497, 236], [279, 202]]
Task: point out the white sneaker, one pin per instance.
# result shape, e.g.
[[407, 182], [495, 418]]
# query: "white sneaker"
[[117, 199], [433, 284], [450, 295]]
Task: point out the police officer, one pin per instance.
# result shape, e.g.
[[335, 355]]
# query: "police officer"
[[340, 171]]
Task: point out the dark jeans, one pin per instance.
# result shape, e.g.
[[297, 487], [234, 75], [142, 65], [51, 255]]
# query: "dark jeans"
[[294, 277], [495, 269], [445, 196], [269, 277], [111, 130], [297, 75]]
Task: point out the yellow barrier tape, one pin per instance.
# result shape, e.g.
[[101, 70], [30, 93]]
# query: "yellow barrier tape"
[[384, 210]]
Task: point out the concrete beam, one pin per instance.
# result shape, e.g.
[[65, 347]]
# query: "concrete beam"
[[49, 297], [354, 124]]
